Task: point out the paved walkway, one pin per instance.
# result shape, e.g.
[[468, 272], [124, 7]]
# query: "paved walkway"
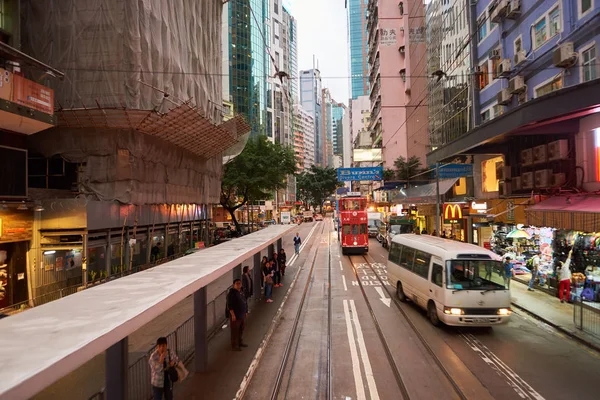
[[550, 310]]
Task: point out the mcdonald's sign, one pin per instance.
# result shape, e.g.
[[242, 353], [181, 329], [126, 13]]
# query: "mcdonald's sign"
[[453, 211]]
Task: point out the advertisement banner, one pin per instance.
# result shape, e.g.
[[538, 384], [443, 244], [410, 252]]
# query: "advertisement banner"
[[33, 95], [360, 174]]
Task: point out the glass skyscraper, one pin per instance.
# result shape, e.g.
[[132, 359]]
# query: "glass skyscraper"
[[358, 42], [248, 61]]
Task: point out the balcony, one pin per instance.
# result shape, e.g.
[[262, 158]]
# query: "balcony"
[[375, 89], [374, 70]]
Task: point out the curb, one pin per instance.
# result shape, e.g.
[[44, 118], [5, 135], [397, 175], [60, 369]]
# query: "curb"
[[573, 336]]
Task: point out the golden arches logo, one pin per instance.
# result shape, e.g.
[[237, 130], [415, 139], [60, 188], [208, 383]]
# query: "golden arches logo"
[[452, 211]]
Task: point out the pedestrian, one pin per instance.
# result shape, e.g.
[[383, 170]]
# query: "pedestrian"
[[160, 361], [534, 265], [247, 284], [268, 280], [508, 271], [282, 261], [276, 270], [488, 271], [424, 232], [155, 252], [443, 236], [297, 242], [434, 233], [236, 303], [565, 279]]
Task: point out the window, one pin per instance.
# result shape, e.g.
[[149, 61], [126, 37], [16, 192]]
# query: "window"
[[474, 274], [437, 275], [584, 6], [486, 115], [395, 250], [554, 19], [484, 75], [589, 69], [549, 87], [407, 257], [489, 177], [346, 229], [276, 7], [495, 63], [518, 44], [421, 265], [482, 30], [540, 32]]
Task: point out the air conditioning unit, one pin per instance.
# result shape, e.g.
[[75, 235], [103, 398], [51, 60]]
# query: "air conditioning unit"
[[559, 179], [543, 178], [495, 54], [503, 172], [504, 188], [498, 110], [527, 180], [516, 84], [514, 9], [517, 183], [504, 97], [564, 55], [520, 56], [503, 68], [527, 157], [500, 11], [540, 154], [558, 150]]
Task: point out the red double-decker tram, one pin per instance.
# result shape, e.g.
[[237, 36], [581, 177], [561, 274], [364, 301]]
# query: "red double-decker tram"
[[353, 224]]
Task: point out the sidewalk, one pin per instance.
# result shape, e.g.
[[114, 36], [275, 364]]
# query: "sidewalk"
[[551, 311]]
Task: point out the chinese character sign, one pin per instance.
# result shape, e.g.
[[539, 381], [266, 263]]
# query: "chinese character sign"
[[388, 37]]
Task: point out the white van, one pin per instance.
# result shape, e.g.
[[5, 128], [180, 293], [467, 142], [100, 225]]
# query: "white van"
[[457, 283]]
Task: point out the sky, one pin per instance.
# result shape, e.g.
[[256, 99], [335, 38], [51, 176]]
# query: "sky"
[[322, 32]]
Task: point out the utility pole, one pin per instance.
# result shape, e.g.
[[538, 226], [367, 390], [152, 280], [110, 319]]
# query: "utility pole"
[[437, 199]]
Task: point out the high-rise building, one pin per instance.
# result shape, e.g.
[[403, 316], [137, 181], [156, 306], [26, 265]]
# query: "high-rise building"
[[249, 63], [304, 125], [311, 99], [397, 65], [291, 53], [337, 113], [327, 127], [358, 44]]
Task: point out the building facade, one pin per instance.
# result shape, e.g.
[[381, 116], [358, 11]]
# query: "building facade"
[[337, 113], [533, 127], [327, 127], [311, 99], [304, 127], [358, 45], [396, 76]]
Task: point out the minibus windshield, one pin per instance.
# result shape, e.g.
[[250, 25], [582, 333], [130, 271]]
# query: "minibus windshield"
[[474, 275]]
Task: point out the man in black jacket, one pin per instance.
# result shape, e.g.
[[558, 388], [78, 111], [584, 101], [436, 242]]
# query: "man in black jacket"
[[236, 304], [247, 284]]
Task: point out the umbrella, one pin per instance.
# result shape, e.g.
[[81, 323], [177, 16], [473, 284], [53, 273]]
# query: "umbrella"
[[518, 234]]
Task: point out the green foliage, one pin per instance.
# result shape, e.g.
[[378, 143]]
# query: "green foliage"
[[406, 169], [316, 184], [389, 174], [258, 171]]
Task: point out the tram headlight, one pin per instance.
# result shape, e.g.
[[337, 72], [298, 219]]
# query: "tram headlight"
[[504, 311], [356, 243], [453, 311]]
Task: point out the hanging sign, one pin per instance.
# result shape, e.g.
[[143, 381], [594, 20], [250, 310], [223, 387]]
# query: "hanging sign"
[[478, 208]]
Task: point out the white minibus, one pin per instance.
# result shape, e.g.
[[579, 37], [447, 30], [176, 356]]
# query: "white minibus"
[[457, 283]]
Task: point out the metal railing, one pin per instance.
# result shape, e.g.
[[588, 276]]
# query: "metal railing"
[[586, 318], [182, 340]]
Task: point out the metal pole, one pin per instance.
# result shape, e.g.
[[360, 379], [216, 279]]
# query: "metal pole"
[[200, 328], [437, 199], [117, 370]]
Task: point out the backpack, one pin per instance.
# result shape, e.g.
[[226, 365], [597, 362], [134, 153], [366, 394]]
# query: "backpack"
[[587, 294], [529, 264]]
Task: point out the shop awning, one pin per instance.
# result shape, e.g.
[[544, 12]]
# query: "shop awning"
[[580, 213], [425, 194], [389, 186]]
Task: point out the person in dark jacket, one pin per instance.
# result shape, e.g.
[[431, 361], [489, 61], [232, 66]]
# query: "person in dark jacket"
[[247, 284], [276, 271], [236, 304], [267, 274], [282, 261]]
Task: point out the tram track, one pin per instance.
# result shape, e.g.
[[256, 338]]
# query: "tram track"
[[285, 371], [397, 374]]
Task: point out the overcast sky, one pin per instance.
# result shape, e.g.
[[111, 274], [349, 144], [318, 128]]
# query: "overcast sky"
[[322, 32]]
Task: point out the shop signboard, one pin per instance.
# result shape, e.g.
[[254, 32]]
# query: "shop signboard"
[[452, 171], [388, 36], [453, 212], [33, 95], [478, 208], [510, 207], [360, 174]]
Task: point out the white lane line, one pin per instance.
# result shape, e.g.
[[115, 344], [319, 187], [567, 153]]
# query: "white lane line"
[[522, 388], [341, 267], [345, 286], [360, 390], [364, 355]]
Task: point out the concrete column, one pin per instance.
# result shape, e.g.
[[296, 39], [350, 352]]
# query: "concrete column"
[[127, 250], [279, 244], [257, 276], [117, 370], [271, 250], [108, 255], [200, 331], [237, 272], [148, 245]]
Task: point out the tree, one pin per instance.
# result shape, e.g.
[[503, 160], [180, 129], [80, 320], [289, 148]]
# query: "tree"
[[389, 174], [406, 169], [316, 184], [254, 174]]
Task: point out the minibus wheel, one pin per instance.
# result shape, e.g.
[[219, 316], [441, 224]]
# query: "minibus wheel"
[[400, 293], [432, 313]]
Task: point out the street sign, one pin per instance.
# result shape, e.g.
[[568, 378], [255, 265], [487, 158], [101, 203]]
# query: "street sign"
[[450, 171], [360, 174]]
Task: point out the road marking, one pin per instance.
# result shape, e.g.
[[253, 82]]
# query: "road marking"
[[522, 388], [341, 267], [385, 300], [360, 390], [345, 286], [364, 355]]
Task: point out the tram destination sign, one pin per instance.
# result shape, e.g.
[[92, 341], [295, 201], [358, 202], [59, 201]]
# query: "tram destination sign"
[[360, 174]]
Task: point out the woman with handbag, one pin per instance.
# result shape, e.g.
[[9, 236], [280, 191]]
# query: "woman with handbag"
[[165, 370]]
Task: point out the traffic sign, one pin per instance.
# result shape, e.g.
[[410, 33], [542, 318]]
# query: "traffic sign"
[[360, 174]]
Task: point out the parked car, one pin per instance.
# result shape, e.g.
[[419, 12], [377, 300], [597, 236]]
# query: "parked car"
[[318, 217]]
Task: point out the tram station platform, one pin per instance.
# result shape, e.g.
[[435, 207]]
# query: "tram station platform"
[[48, 342]]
